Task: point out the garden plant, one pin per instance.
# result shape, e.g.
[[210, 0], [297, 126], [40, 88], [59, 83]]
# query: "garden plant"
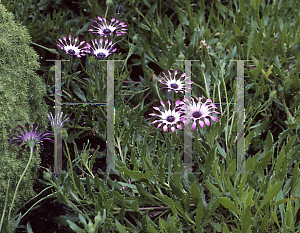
[[157, 105]]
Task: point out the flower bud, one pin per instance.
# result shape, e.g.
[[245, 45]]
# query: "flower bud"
[[272, 95], [109, 3], [135, 38], [219, 47], [97, 218], [64, 134], [181, 56], [202, 66], [92, 60], [47, 175]]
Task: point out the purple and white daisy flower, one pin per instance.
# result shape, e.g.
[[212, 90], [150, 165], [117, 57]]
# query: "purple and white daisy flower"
[[198, 111], [101, 52], [31, 139], [57, 120], [169, 117], [173, 84], [105, 30], [71, 49]]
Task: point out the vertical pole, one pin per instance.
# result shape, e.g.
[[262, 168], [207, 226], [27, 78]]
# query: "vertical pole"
[[58, 139], [188, 147], [240, 117], [240, 141], [110, 118]]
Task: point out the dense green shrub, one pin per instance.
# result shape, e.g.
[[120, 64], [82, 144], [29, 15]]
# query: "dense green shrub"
[[21, 101]]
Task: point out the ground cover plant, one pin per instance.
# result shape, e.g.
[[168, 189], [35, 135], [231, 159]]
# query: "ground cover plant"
[[153, 39]]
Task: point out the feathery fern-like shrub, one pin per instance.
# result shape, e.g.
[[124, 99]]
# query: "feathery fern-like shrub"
[[21, 101]]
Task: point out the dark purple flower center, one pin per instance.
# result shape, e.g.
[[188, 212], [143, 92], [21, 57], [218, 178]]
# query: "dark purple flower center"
[[100, 55], [71, 51], [170, 118], [174, 85], [196, 114], [106, 31]]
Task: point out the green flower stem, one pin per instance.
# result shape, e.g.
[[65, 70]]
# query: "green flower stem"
[[12, 204], [131, 50], [157, 90], [137, 92], [2, 219], [206, 87], [84, 68], [50, 50], [106, 11], [120, 150]]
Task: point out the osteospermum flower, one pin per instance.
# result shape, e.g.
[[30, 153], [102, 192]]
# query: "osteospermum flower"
[[105, 30], [198, 112], [101, 52], [57, 120], [173, 84], [169, 117], [71, 49], [31, 138]]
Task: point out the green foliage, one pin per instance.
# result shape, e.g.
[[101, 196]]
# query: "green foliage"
[[21, 98]]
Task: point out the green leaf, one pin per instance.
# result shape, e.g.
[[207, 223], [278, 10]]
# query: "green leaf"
[[150, 226], [221, 9], [179, 38], [283, 201], [145, 193], [225, 228], [268, 142], [242, 7], [78, 91], [195, 192], [108, 204], [162, 225], [284, 34], [227, 203], [209, 161], [289, 219], [279, 162], [295, 178], [265, 221], [248, 139], [199, 215], [76, 228], [272, 192], [246, 219], [221, 150], [213, 189], [289, 144], [182, 17], [167, 200], [198, 145], [232, 192], [122, 213], [249, 201], [143, 26], [120, 228], [250, 42], [135, 206], [28, 228]]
